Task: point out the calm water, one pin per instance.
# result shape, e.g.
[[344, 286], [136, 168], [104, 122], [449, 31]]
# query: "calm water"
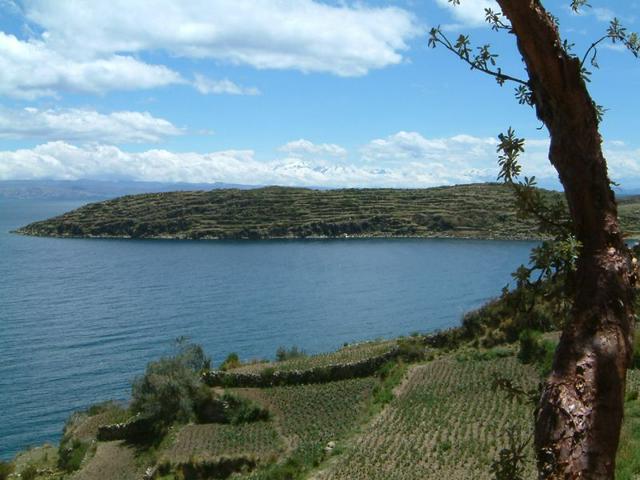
[[80, 318]]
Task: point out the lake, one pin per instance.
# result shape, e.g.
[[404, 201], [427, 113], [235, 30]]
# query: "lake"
[[80, 318]]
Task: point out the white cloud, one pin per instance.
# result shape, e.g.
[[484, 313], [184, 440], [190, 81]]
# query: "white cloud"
[[401, 160], [412, 146], [306, 35], [84, 125], [208, 86], [302, 147], [470, 13], [61, 160], [458, 158], [31, 69]]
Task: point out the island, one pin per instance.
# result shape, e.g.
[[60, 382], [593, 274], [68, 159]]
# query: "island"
[[482, 211]]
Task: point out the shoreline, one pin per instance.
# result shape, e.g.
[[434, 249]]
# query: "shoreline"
[[435, 236]]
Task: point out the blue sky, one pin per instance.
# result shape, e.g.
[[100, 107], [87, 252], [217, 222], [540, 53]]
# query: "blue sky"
[[291, 92]]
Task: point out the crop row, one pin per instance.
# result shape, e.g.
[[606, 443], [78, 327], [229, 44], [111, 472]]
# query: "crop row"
[[315, 413], [447, 422], [258, 440]]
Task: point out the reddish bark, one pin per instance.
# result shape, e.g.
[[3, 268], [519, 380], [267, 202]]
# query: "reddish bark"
[[580, 411]]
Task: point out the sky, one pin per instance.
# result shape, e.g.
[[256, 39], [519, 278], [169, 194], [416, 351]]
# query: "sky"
[[287, 92]]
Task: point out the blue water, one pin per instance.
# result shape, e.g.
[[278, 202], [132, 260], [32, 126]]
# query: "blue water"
[[80, 318]]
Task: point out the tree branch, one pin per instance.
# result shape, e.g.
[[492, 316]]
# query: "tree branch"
[[438, 37], [593, 45]]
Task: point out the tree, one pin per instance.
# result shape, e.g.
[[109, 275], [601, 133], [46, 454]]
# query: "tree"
[[580, 410], [171, 388]]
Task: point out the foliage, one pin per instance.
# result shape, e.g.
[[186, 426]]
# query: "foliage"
[[241, 410], [6, 469], [232, 361], [171, 389], [511, 462], [283, 354], [412, 349], [534, 349], [71, 453], [391, 374], [30, 472]]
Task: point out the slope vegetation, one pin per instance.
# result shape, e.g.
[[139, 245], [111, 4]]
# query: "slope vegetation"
[[464, 211]]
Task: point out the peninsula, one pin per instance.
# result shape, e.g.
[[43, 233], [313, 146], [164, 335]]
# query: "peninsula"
[[484, 211]]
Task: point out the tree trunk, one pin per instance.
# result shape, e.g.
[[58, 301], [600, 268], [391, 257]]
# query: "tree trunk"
[[580, 412]]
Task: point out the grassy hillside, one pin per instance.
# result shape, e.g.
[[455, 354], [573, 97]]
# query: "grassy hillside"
[[465, 211], [437, 416]]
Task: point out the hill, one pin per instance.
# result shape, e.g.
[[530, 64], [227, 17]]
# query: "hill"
[[433, 412], [463, 211]]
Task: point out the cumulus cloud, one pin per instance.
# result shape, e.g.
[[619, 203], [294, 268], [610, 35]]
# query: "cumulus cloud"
[[412, 146], [61, 160], [401, 160], [84, 125], [30, 69], [470, 13], [208, 86], [302, 148], [306, 35]]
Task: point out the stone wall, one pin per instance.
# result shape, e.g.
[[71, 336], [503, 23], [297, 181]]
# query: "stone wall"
[[323, 374], [133, 428]]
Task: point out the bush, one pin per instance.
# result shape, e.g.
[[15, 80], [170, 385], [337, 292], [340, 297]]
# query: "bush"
[[171, 388], [283, 354], [6, 469], [530, 346], [30, 472], [230, 409], [241, 410], [232, 361], [70, 454], [535, 350], [411, 349]]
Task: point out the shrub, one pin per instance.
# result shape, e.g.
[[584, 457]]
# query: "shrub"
[[241, 410], [70, 454], [283, 354], [530, 346], [6, 469], [103, 407], [30, 472], [535, 350], [171, 389], [232, 361], [411, 349]]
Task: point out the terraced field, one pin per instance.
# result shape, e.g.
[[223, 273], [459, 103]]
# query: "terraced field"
[[310, 415], [348, 354], [466, 211], [259, 441], [446, 422], [112, 461]]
